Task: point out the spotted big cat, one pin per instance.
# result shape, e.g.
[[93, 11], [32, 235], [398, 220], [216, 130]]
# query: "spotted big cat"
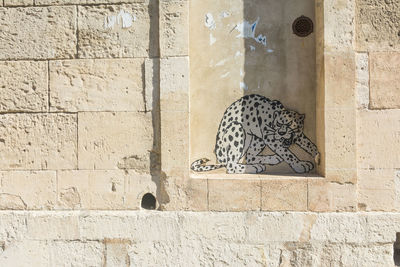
[[248, 126]]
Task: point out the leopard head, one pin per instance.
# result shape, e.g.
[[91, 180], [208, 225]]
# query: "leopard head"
[[288, 125]]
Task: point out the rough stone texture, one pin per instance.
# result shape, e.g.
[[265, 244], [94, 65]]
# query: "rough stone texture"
[[97, 85], [103, 33], [38, 141], [284, 195], [378, 139], [115, 140], [174, 28], [152, 84], [84, 2], [385, 80], [28, 190], [362, 80], [18, 2], [378, 24], [112, 189], [198, 239], [23, 86], [37, 33]]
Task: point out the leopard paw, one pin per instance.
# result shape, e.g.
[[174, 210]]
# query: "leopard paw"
[[302, 166], [255, 168]]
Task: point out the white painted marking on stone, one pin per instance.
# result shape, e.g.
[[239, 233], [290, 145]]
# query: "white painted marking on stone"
[[252, 48], [241, 72], [125, 19], [222, 62], [247, 30], [270, 50], [210, 22], [238, 54], [225, 14], [244, 86], [212, 39], [225, 75]]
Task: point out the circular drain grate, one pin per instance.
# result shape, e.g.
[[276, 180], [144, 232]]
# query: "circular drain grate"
[[303, 26]]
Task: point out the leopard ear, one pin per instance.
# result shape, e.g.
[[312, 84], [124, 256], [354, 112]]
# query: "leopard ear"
[[276, 113], [302, 117]]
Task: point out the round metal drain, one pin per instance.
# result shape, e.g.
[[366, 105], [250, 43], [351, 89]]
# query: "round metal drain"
[[303, 26]]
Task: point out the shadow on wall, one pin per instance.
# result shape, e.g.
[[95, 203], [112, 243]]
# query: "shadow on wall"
[[266, 62]]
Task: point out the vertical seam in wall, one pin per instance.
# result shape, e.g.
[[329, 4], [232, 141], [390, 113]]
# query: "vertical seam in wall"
[[48, 86], [76, 32], [77, 140]]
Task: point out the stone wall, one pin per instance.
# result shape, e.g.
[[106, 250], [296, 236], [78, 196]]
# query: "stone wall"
[[94, 114]]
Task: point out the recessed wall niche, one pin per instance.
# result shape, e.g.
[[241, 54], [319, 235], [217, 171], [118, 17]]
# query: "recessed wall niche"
[[239, 48]]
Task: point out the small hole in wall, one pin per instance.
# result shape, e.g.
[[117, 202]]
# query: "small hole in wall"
[[149, 202], [396, 250]]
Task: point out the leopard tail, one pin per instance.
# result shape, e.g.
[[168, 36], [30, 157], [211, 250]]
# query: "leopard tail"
[[199, 166]]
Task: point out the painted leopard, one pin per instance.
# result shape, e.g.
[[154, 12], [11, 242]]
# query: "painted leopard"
[[250, 124]]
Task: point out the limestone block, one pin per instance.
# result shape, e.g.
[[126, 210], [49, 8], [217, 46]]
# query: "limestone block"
[[97, 85], [174, 84], [339, 13], [378, 139], [23, 86], [18, 2], [12, 227], [382, 228], [26, 253], [284, 195], [174, 143], [38, 141], [340, 228], [362, 80], [116, 251], [281, 227], [76, 253], [152, 84], [85, 2], [28, 190], [324, 196], [234, 195], [51, 226], [340, 72], [144, 226], [121, 140], [137, 185], [91, 189], [340, 145], [215, 228], [378, 24], [385, 80], [174, 28], [38, 33], [378, 190], [117, 31]]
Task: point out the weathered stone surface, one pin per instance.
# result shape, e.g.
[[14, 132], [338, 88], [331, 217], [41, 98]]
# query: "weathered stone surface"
[[378, 139], [23, 86], [362, 80], [174, 28], [117, 252], [98, 189], [83, 2], [18, 2], [115, 140], [38, 141], [97, 85], [385, 80], [284, 195], [38, 33], [174, 84], [47, 226], [324, 196], [117, 31], [152, 84], [76, 253], [28, 190], [378, 24], [234, 195]]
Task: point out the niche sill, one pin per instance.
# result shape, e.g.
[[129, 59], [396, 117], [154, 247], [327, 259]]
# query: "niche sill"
[[272, 176]]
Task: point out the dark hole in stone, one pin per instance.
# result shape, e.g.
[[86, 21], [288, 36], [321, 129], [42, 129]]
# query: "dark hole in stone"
[[303, 26], [396, 250], [149, 202]]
